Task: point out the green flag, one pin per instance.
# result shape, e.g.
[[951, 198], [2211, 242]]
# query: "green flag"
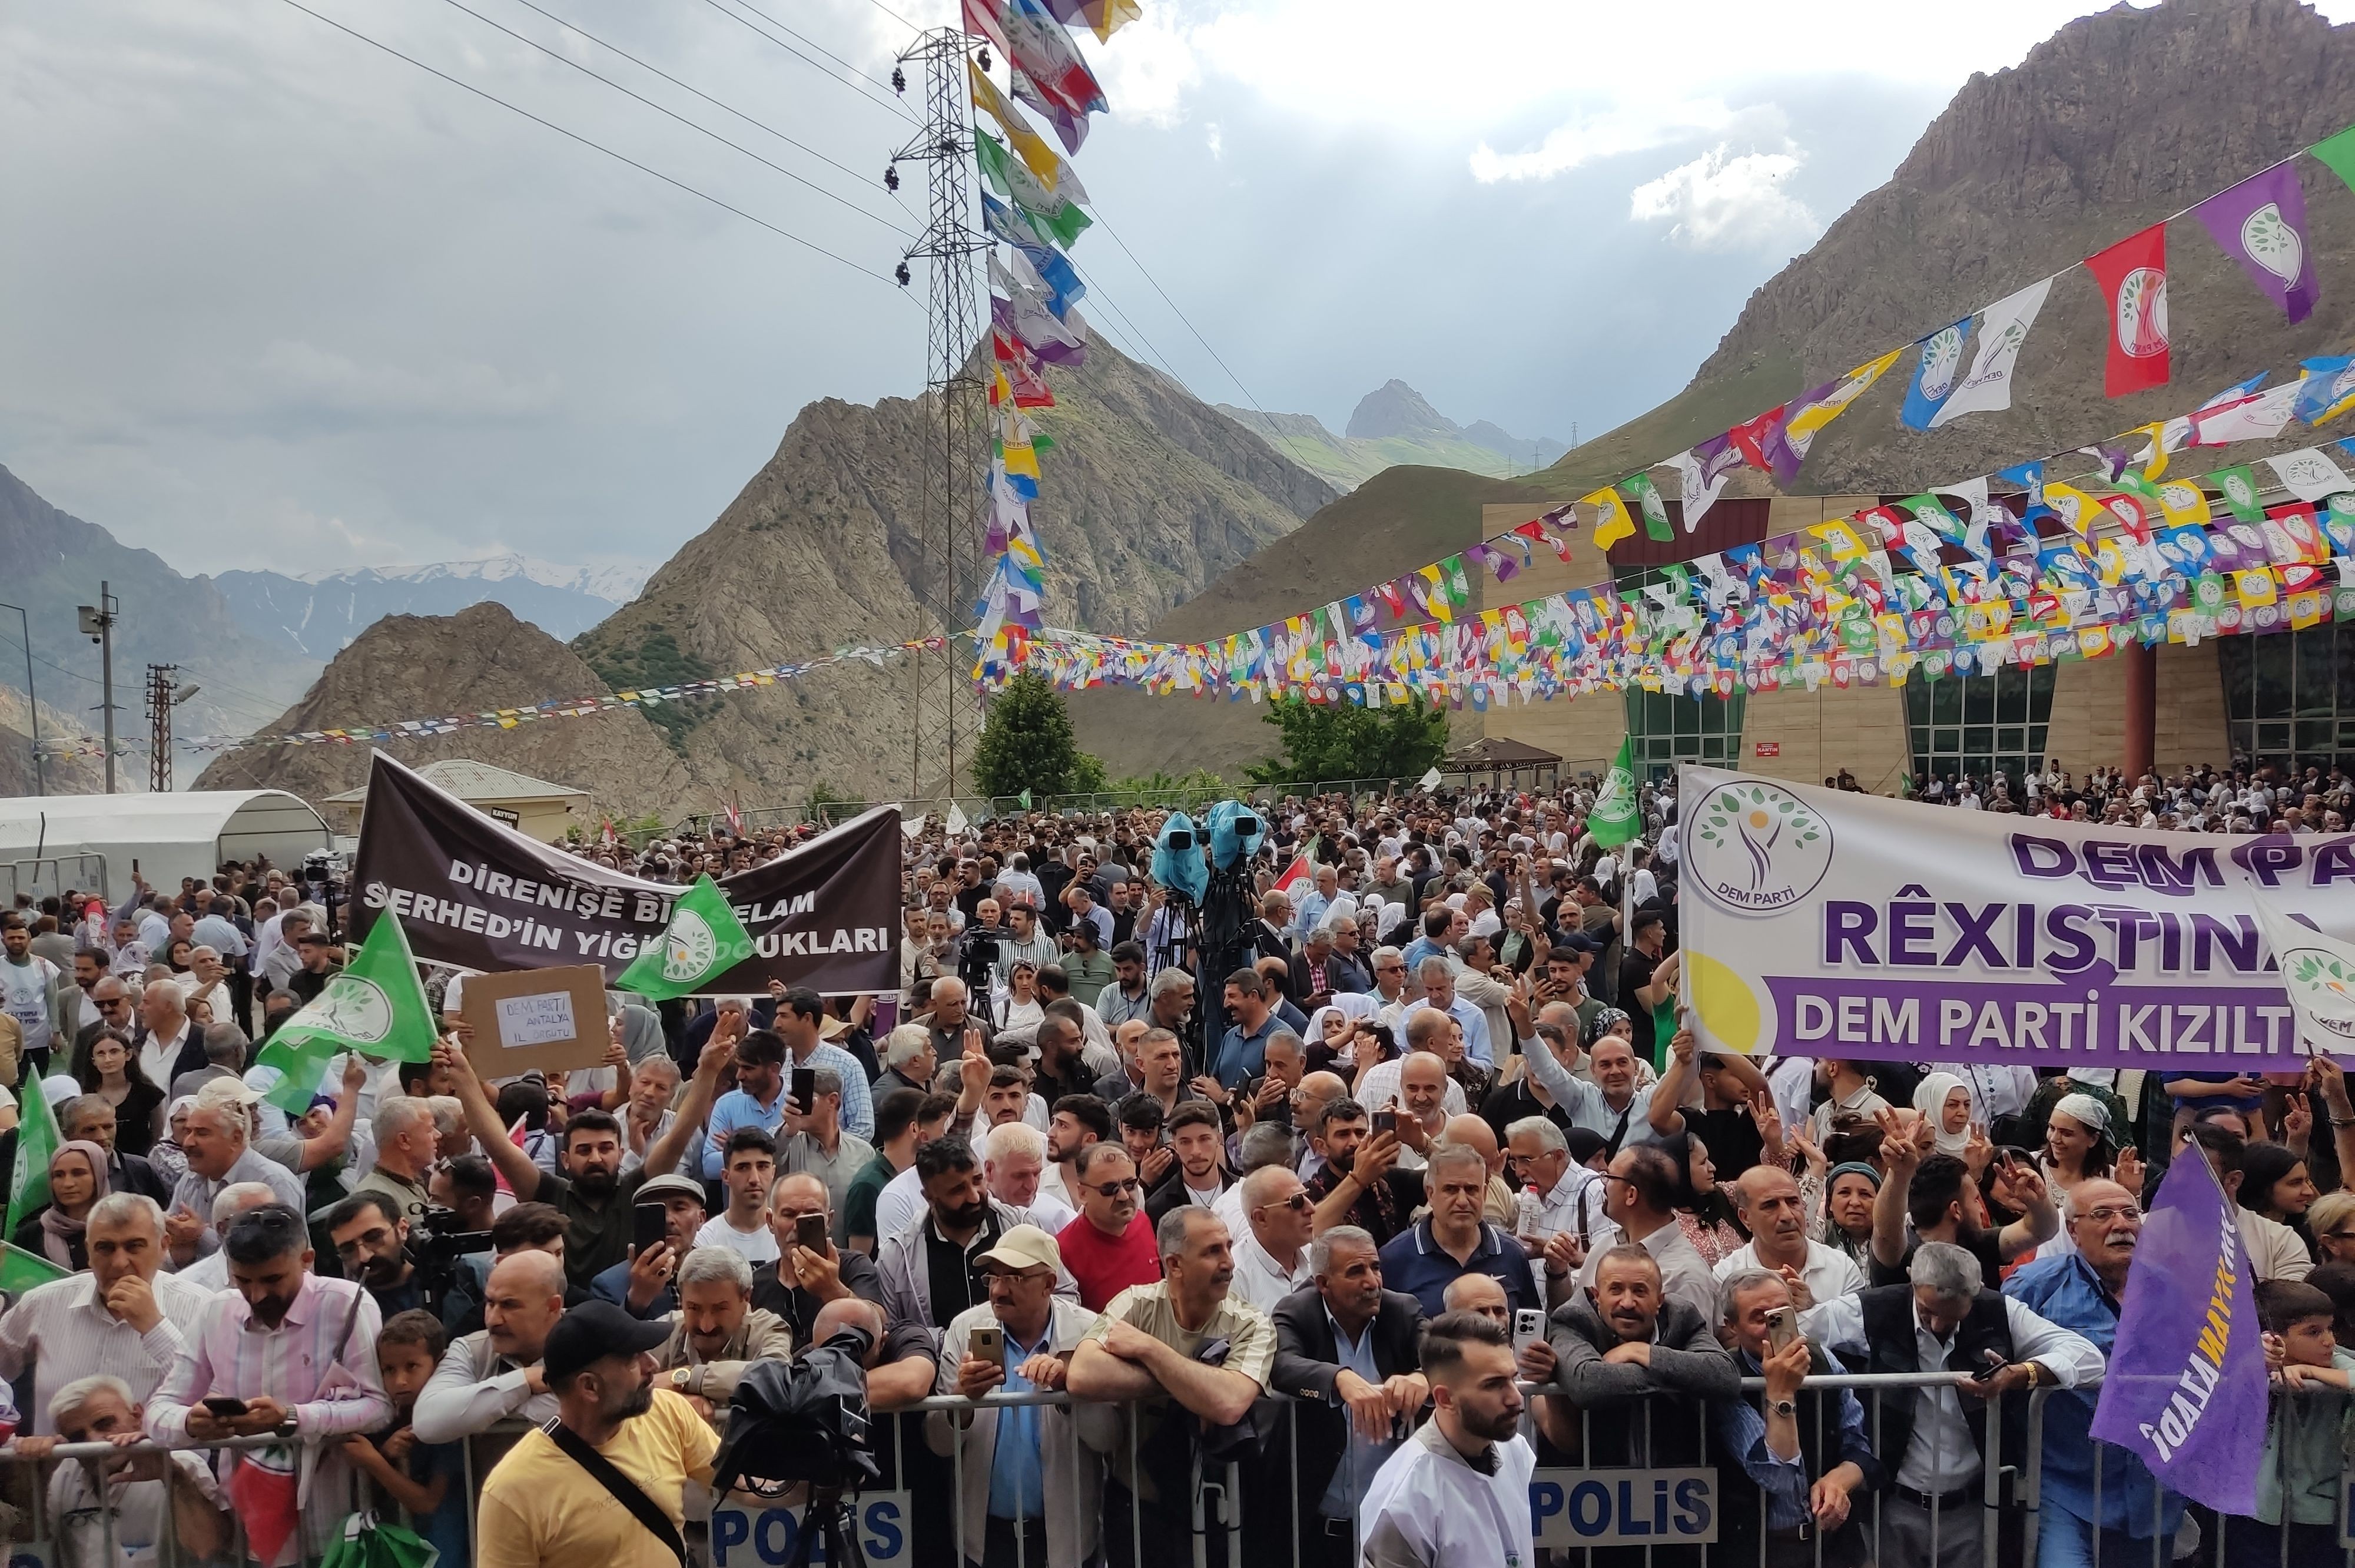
[[21, 1270], [703, 941], [375, 1005], [1025, 798], [37, 1144], [1615, 819], [2339, 153], [1656, 510]]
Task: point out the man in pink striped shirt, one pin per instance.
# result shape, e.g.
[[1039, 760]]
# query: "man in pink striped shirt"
[[299, 1354]]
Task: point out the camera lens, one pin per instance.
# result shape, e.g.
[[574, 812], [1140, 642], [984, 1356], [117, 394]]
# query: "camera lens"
[[1246, 825], [1181, 841]]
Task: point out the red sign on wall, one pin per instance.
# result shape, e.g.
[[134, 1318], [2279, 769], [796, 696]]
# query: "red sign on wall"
[[1767, 748]]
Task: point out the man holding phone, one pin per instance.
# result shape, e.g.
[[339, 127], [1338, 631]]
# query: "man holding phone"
[[665, 1217], [1028, 1480], [811, 1269], [1806, 1453], [814, 1141]]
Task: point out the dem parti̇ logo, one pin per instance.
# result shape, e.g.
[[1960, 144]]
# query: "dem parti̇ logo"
[[2324, 988], [689, 948], [1756, 848]]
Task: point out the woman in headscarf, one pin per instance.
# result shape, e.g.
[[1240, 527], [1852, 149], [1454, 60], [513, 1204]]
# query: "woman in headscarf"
[[642, 1033], [1848, 1193], [1944, 1102], [1704, 1213], [54, 1230], [1610, 1020], [2081, 1145], [170, 1162]]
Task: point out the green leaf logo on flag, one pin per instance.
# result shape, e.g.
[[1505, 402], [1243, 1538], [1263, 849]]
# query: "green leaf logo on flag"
[[2240, 490], [703, 940], [37, 1144], [376, 1006], [1614, 820]]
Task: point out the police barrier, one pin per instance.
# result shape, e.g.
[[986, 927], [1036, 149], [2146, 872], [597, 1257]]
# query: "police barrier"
[[1668, 1515]]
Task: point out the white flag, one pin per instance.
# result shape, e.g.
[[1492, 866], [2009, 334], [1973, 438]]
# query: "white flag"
[[2318, 974], [2003, 328], [2260, 416], [2310, 475], [1704, 477], [1428, 780], [956, 820]]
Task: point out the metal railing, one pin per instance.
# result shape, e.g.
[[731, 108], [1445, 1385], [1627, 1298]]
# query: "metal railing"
[[54, 874], [1221, 1510]]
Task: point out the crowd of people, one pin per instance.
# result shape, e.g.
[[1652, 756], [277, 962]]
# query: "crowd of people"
[[1333, 1249]]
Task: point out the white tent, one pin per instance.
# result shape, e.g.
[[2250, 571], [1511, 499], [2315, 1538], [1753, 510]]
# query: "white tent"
[[46, 841]]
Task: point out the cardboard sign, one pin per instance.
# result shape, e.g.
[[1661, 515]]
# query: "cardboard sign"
[[547, 1021]]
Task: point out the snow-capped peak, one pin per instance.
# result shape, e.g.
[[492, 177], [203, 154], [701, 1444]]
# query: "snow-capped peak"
[[616, 580]]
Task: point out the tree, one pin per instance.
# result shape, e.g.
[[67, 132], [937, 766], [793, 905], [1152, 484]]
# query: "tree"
[[1026, 744], [1327, 741]]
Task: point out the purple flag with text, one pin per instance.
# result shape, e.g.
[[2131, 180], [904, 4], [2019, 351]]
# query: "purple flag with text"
[[2261, 223], [2186, 1385]]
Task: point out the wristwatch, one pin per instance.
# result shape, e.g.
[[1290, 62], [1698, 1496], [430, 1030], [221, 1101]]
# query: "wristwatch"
[[1784, 1407]]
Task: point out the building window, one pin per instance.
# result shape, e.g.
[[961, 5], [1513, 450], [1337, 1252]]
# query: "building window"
[[1670, 729], [2290, 698], [1978, 726]]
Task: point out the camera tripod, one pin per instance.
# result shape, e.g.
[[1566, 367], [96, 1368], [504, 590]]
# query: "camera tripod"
[[828, 1514]]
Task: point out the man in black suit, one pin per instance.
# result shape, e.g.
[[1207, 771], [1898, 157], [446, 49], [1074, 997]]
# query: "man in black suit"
[[1348, 1354]]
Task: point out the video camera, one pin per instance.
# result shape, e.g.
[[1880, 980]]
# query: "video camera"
[[979, 955], [435, 1246]]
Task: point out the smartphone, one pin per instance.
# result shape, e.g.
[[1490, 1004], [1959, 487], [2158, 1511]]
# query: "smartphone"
[[805, 1090], [1994, 1363], [649, 1227], [986, 1343], [1528, 1327], [1386, 1121], [1780, 1330], [223, 1408], [809, 1231]]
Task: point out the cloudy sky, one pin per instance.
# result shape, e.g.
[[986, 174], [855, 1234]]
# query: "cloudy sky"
[[281, 299]]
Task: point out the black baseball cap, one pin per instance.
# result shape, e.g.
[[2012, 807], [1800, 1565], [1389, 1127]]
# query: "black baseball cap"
[[593, 1330]]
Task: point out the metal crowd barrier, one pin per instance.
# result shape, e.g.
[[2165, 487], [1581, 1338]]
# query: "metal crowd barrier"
[[746, 1531]]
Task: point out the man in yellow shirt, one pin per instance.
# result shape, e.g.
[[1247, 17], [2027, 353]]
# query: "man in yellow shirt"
[[545, 1502]]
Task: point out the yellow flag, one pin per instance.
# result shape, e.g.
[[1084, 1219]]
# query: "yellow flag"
[[1840, 537], [1611, 523], [1020, 458], [2255, 588], [2184, 501], [1033, 148], [1809, 418], [1110, 15], [2076, 508]]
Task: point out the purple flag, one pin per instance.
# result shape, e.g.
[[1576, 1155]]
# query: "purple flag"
[[2261, 223], [2185, 1386]]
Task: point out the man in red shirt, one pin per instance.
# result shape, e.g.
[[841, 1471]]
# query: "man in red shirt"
[[1109, 1247]]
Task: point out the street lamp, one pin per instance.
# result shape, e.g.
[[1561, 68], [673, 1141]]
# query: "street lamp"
[[32, 702]]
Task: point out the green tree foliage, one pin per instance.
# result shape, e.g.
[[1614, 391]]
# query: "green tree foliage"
[[1025, 744], [1328, 742]]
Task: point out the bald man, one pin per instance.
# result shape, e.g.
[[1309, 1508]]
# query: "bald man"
[[1501, 1207], [489, 1375], [1309, 1102]]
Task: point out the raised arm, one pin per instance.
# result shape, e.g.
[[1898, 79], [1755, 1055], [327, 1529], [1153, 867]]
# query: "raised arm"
[[1901, 1155], [483, 1119], [1667, 1116], [664, 1152]]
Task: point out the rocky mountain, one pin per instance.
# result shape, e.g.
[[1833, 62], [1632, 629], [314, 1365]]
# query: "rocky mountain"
[[1148, 495], [56, 774], [480, 659], [319, 613], [1391, 426], [51, 561], [2109, 126]]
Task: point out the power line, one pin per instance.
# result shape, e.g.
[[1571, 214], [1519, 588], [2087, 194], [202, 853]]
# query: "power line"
[[1158, 289], [593, 146], [609, 81], [892, 103], [895, 16]]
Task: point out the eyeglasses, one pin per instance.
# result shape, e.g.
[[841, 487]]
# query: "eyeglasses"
[[1299, 1203], [2122, 1212], [2339, 1235], [1114, 1188]]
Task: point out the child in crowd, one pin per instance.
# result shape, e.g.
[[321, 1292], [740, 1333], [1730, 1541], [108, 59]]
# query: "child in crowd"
[[427, 1479], [2298, 1483]]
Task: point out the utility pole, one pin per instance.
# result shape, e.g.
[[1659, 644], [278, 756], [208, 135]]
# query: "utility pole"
[[950, 524], [98, 624], [32, 700], [162, 697]]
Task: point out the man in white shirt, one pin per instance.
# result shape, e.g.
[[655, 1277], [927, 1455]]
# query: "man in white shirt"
[[1560, 1193], [1012, 1164], [1936, 1451], [33, 991], [123, 1315], [164, 1015], [1271, 1252], [1776, 1217], [750, 1172], [1456, 1494], [1640, 1199]]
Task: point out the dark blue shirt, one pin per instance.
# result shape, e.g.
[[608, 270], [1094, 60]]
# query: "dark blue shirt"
[[1413, 1262], [1242, 1054]]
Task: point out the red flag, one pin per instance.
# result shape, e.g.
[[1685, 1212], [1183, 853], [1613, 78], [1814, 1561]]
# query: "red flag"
[[983, 20], [1295, 876], [1752, 436], [735, 820], [2133, 275]]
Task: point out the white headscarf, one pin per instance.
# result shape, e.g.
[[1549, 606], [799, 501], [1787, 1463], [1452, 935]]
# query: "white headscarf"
[[1930, 1099]]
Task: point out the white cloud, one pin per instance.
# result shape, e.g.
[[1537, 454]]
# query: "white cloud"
[[1218, 142], [1723, 202], [303, 375]]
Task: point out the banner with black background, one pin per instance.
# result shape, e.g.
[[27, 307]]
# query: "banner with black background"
[[476, 894]]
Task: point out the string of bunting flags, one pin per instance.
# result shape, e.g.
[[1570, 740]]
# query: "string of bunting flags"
[[1032, 203], [2052, 570], [526, 713]]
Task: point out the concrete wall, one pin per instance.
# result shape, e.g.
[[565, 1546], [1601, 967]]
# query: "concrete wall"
[[2088, 728]]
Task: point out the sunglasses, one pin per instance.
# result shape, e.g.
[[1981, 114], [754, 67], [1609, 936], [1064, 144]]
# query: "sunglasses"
[[1299, 1203], [1114, 1188]]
